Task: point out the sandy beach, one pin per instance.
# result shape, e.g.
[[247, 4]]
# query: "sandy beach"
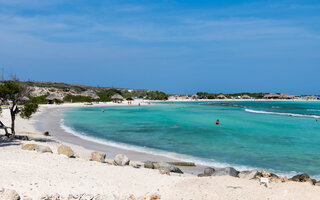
[[34, 174]]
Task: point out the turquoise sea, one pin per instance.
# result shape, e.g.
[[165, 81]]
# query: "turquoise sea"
[[282, 137]]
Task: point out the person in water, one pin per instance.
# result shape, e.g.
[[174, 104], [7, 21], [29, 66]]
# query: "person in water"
[[176, 126], [217, 122], [102, 110]]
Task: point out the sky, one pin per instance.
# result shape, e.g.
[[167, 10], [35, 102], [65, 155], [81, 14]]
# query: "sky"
[[168, 45]]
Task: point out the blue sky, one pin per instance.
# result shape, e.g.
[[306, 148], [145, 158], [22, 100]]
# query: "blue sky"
[[173, 46]]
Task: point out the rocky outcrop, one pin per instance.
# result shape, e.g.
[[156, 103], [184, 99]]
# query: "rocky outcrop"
[[43, 149], [121, 160], [208, 171], [98, 156], [7, 194], [165, 165], [165, 171], [249, 174], [29, 147], [65, 150], [149, 165], [303, 178], [136, 164], [227, 171]]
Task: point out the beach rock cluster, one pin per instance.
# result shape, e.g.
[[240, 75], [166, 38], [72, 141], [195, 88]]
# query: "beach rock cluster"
[[227, 171], [36, 147], [7, 194], [163, 167]]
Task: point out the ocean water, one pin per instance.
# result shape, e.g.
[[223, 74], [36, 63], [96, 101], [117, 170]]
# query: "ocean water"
[[282, 137]]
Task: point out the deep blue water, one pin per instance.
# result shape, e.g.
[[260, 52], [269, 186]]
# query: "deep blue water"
[[283, 137]]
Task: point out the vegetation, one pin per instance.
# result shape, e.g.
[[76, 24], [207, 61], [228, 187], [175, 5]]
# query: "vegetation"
[[75, 99], [12, 91], [156, 95], [39, 99], [106, 95], [205, 95]]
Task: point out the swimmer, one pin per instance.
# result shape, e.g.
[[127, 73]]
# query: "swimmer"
[[102, 110], [217, 122], [175, 126]]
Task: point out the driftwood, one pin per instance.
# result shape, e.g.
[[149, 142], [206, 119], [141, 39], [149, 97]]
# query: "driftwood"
[[186, 164]]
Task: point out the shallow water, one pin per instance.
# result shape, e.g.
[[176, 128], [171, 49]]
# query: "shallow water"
[[283, 137]]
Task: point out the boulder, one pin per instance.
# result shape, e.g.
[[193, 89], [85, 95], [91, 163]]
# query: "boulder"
[[9, 194], [167, 166], [29, 147], [165, 171], [227, 171], [46, 133], [43, 149], [65, 150], [175, 169], [136, 164], [303, 178], [208, 171], [249, 174], [98, 156], [121, 160], [265, 174], [161, 164], [149, 165]]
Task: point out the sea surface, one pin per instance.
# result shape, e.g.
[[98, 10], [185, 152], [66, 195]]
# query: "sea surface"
[[282, 137]]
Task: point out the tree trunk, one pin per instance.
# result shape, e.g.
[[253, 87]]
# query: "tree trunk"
[[5, 129], [13, 118]]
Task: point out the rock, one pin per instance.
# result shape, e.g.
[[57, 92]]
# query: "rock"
[[149, 165], [165, 171], [121, 160], [175, 169], [7, 194], [303, 178], [265, 174], [317, 183], [65, 150], [155, 197], [160, 164], [43, 149], [249, 174], [46, 133], [98, 156], [136, 164], [208, 171], [201, 175], [30, 147], [228, 171], [51, 197]]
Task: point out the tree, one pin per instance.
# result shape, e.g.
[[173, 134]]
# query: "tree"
[[12, 92]]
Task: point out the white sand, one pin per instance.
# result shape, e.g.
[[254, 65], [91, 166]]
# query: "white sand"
[[33, 174]]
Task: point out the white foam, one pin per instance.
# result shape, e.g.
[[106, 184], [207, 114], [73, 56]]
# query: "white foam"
[[279, 113], [171, 155]]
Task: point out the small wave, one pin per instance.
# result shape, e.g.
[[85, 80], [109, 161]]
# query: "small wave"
[[171, 155], [279, 113]]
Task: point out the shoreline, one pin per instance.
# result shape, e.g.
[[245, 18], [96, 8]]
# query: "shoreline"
[[49, 119], [33, 175], [50, 116]]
